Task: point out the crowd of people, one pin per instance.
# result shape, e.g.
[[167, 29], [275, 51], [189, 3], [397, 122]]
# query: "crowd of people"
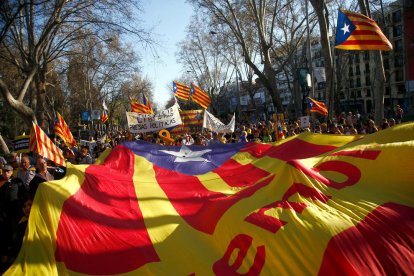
[[21, 174]]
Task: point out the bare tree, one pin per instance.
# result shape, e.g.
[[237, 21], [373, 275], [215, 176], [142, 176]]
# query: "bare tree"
[[259, 19], [43, 33], [202, 59]]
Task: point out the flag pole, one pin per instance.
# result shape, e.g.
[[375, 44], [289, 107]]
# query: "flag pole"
[[308, 50]]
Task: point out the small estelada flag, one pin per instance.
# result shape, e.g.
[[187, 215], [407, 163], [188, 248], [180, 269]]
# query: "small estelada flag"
[[199, 96], [355, 31], [181, 91], [316, 106], [104, 116], [42, 145]]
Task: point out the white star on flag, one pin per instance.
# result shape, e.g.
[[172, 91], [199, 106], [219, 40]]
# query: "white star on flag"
[[345, 28], [186, 155]]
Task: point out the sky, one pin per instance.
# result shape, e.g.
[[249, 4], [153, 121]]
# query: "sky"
[[169, 19]]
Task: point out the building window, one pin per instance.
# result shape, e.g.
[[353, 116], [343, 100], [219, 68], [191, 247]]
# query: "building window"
[[398, 45], [351, 83], [357, 71], [350, 59], [398, 61], [358, 82], [366, 56], [386, 63], [356, 58], [367, 80], [367, 71], [399, 75], [368, 92], [387, 90], [396, 16], [359, 93], [352, 94], [401, 89], [397, 31], [350, 71]]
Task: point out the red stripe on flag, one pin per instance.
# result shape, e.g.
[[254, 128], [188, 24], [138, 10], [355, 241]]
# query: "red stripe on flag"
[[237, 175], [364, 42], [287, 151], [203, 211], [364, 32], [112, 222], [366, 248]]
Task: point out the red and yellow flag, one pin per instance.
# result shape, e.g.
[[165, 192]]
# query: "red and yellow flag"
[[192, 122], [62, 130], [141, 108], [181, 91], [316, 106], [309, 204], [200, 96], [41, 144], [355, 31]]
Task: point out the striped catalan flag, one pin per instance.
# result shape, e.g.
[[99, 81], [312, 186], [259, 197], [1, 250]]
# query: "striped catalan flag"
[[316, 106], [62, 130], [140, 108], [200, 96], [181, 91], [355, 31], [104, 116], [42, 145]]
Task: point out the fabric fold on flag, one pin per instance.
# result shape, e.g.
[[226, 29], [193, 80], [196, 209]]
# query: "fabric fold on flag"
[[181, 91], [62, 130], [316, 106], [44, 146], [355, 31], [199, 96]]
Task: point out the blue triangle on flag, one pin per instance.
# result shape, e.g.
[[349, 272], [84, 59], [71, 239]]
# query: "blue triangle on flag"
[[344, 28]]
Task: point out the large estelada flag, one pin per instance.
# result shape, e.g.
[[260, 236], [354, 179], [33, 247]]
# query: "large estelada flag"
[[307, 205], [355, 31], [62, 130], [317, 106], [41, 144], [181, 91], [199, 96]]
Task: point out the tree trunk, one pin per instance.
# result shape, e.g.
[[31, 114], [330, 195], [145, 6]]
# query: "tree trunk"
[[379, 87], [318, 6], [379, 77], [24, 111], [3, 145], [271, 84], [41, 97]]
